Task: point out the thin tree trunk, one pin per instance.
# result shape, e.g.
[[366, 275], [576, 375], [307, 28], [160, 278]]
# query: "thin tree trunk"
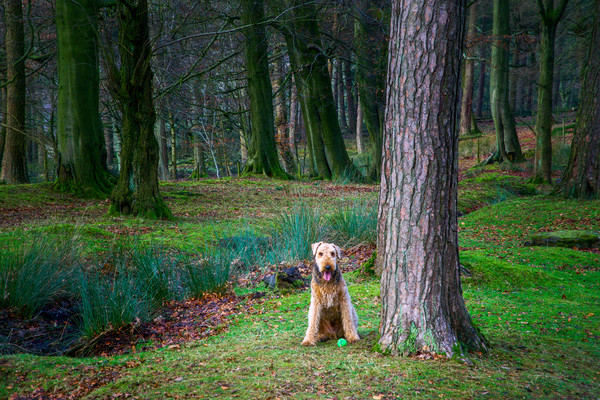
[[507, 142], [3, 121], [14, 161], [423, 310], [281, 118], [466, 109], [340, 95], [163, 150], [262, 150], [108, 142], [582, 176], [513, 78], [480, 89], [350, 95], [359, 134], [173, 136], [293, 126], [542, 166], [371, 53], [314, 89]]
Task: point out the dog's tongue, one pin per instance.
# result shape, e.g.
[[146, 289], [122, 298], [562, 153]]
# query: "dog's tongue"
[[327, 275]]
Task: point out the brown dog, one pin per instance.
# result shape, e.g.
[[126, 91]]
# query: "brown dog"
[[331, 314]]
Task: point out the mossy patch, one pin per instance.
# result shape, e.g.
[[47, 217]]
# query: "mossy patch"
[[490, 188], [571, 239]]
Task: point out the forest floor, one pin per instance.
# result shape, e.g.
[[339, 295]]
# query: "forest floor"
[[537, 306]]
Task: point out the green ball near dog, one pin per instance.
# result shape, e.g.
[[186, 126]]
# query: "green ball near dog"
[[342, 342]]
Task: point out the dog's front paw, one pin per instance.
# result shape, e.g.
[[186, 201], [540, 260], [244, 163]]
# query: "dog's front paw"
[[352, 338], [308, 342]]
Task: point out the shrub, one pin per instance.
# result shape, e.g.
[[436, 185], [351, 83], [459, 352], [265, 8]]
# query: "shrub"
[[35, 273]]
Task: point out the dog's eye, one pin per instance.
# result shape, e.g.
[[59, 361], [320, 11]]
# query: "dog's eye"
[[320, 254], [332, 254]]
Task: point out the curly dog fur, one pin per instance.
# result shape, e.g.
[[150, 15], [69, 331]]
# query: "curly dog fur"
[[331, 314]]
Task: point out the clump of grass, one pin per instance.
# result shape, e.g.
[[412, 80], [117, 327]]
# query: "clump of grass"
[[111, 302], [35, 273], [209, 274], [156, 271], [355, 223], [294, 231]]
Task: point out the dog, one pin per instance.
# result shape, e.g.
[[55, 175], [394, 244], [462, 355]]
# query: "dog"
[[331, 314]]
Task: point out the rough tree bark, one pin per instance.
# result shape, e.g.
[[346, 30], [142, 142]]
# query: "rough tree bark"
[[542, 166], [262, 150], [371, 54], [582, 176], [14, 162], [507, 142], [422, 305], [139, 149]]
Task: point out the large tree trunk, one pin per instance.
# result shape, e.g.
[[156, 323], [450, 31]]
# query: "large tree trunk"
[[317, 163], [582, 176], [371, 53], [507, 141], [466, 108], [316, 98], [422, 305], [14, 162], [139, 152], [82, 155], [262, 151], [542, 166]]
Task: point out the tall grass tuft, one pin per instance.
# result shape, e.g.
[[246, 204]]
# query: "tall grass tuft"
[[355, 223], [156, 271], [110, 302], [294, 231], [209, 274], [35, 273]]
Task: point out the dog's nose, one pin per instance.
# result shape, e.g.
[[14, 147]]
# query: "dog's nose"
[[328, 267]]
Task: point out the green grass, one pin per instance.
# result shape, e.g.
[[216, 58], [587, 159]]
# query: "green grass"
[[537, 306], [34, 274]]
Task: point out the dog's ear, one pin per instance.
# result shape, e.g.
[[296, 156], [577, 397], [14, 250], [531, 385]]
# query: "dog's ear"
[[338, 251], [315, 246]]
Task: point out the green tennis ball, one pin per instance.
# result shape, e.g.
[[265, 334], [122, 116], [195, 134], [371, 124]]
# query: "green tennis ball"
[[342, 342]]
